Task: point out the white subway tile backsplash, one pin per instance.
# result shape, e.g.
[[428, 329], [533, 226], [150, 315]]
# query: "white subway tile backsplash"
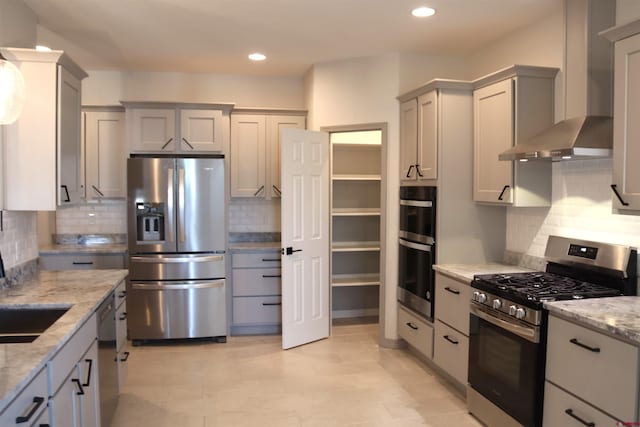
[[254, 215], [19, 240], [581, 208], [103, 217]]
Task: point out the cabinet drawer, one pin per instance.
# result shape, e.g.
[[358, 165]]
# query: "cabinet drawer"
[[24, 402], [256, 282], [121, 293], [121, 326], [61, 364], [258, 260], [451, 351], [257, 310], [452, 302], [593, 373], [559, 407], [81, 262], [416, 332]]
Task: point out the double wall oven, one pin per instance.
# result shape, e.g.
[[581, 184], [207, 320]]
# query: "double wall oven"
[[508, 324], [417, 240]]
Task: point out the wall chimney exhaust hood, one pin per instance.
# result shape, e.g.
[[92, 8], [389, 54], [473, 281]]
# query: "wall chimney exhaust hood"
[[588, 84]]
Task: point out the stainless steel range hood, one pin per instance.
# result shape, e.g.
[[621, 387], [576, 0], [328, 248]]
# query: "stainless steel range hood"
[[577, 138], [588, 84]]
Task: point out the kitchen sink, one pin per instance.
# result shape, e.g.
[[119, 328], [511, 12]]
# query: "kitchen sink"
[[23, 325]]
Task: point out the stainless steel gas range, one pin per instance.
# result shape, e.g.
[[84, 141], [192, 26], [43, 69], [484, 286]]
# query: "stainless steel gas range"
[[508, 325]]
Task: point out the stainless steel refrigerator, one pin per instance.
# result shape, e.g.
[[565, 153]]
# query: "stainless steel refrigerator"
[[176, 232]]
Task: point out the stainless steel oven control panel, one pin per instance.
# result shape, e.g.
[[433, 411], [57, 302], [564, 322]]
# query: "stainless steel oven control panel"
[[505, 306]]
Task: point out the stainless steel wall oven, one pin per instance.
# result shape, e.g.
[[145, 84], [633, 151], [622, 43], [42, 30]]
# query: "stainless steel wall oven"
[[416, 255]]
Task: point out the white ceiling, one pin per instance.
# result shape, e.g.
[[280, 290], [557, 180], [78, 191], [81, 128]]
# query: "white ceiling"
[[215, 36]]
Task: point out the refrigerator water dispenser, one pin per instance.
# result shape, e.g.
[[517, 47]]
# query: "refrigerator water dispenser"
[[150, 222]]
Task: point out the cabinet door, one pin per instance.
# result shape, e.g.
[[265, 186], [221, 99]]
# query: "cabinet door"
[[65, 404], [105, 154], [626, 128], [201, 131], [427, 163], [248, 149], [275, 124], [493, 119], [70, 185], [408, 139], [90, 400], [151, 130]]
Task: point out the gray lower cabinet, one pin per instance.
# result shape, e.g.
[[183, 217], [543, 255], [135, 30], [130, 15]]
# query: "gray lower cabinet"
[[256, 296], [29, 405], [82, 261], [122, 350], [417, 332]]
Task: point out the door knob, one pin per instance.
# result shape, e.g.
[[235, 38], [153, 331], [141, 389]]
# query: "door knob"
[[289, 250]]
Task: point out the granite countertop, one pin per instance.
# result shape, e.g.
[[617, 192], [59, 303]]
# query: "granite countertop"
[[465, 272], [81, 290], [619, 316], [103, 248]]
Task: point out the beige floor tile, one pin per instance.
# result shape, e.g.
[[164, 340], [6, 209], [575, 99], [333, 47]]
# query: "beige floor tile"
[[346, 380]]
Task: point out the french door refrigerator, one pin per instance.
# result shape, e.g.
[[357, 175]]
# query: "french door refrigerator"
[[176, 234]]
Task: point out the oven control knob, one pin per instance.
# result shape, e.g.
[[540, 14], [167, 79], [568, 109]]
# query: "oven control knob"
[[482, 298], [512, 310], [497, 304], [520, 313]]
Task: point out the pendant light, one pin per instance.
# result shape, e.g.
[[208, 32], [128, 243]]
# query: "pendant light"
[[12, 91]]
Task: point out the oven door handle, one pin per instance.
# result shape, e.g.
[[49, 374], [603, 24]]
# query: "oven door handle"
[[412, 245], [529, 334], [416, 203]]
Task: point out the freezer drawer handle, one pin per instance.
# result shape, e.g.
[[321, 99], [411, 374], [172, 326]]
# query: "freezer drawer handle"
[[453, 291], [579, 344], [577, 418], [167, 143], [271, 303], [176, 260], [32, 409], [615, 191], [176, 286], [289, 250]]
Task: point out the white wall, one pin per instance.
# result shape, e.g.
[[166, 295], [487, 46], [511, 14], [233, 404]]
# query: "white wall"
[[18, 239]]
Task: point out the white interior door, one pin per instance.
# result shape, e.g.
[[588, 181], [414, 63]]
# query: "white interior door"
[[305, 237]]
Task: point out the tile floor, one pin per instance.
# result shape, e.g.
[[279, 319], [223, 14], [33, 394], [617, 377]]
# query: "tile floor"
[[346, 380]]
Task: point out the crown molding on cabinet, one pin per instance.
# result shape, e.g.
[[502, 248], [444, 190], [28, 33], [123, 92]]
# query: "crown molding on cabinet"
[[226, 107], [269, 111], [436, 84], [515, 71], [620, 32]]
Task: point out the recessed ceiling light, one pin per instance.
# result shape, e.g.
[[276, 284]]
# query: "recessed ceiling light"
[[257, 57], [423, 11], [41, 48]]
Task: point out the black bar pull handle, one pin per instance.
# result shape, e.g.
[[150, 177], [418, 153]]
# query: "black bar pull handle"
[[615, 191], [126, 356], [259, 190], [66, 192], [100, 193], [579, 344], [451, 340], [30, 411], [88, 382], [166, 143], [270, 276], [577, 418], [409, 171], [412, 326], [123, 316], [271, 259], [419, 171], [271, 303], [503, 190], [122, 294], [289, 250], [187, 142], [277, 190], [82, 262], [453, 291], [80, 391]]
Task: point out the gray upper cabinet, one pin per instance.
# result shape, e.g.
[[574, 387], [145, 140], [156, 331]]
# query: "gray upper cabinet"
[[626, 110], [42, 159], [509, 106], [419, 138]]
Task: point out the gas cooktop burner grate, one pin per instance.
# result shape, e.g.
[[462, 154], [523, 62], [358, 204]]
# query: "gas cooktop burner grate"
[[542, 286]]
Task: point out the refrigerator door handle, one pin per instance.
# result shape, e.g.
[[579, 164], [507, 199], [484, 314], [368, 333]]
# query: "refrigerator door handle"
[[168, 219], [181, 214], [177, 259], [164, 286]]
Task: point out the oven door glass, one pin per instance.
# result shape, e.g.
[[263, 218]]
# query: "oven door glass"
[[507, 369], [416, 276], [417, 220]]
